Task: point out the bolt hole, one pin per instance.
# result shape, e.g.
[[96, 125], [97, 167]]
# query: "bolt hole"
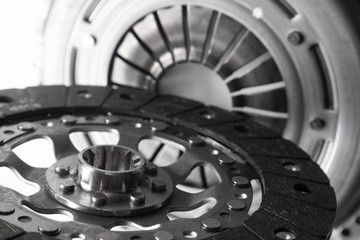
[[284, 234], [302, 188], [346, 232], [358, 220], [84, 94], [24, 219], [9, 132], [190, 234], [292, 167], [127, 96]]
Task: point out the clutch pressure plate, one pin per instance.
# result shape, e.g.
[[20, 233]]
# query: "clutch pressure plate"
[[171, 169]]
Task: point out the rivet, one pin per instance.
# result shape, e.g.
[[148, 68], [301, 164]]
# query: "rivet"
[[225, 160], [158, 185], [151, 168], [236, 205], [163, 235], [111, 120], [67, 186], [239, 181], [158, 126], [98, 199], [62, 169], [317, 124], [295, 38], [285, 235], [137, 198], [68, 119], [211, 224], [49, 228], [207, 115], [195, 141], [26, 126], [6, 208]]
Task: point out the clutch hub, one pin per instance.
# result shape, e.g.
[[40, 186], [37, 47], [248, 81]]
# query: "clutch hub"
[[109, 180]]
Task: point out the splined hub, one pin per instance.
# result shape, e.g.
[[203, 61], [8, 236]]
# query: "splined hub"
[[176, 169], [109, 180]]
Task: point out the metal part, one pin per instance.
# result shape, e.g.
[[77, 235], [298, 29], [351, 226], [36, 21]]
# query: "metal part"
[[153, 202], [109, 180], [240, 181], [163, 235], [189, 48], [6, 208], [236, 205], [211, 224], [109, 169], [62, 169], [295, 38], [49, 228]]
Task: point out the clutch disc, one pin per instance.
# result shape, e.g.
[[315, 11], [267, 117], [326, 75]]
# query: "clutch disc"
[[175, 169]]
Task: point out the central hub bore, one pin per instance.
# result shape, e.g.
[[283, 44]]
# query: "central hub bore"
[[109, 180], [110, 169]]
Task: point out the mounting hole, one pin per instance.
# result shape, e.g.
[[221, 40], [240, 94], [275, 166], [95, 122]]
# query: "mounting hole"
[[190, 234], [84, 94], [292, 167], [9, 132], [346, 232], [302, 188], [24, 219], [284, 234]]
